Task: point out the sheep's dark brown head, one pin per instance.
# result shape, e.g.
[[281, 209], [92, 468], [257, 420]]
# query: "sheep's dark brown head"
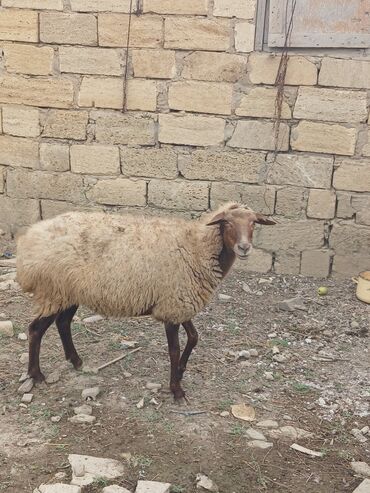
[[237, 225]]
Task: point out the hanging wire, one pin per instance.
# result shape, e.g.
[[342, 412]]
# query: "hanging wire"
[[126, 63]]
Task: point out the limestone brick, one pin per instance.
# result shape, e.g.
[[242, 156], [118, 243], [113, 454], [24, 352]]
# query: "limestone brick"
[[95, 159], [211, 66], [156, 163], [155, 64], [258, 261], [45, 185], [361, 204], [291, 235], [181, 194], [259, 135], [103, 5], [179, 7], [113, 127], [259, 198], [242, 9], [28, 59], [94, 61], [34, 4], [142, 95], [201, 97], [54, 157], [344, 206], [248, 167], [21, 121], [352, 175], [321, 204], [300, 170], [16, 151], [62, 124], [291, 202], [52, 208], [346, 265], [260, 102], [366, 148], [321, 137], [244, 37], [332, 105], [101, 92], [19, 25], [191, 130], [186, 33], [2, 179], [345, 73], [315, 263], [263, 69], [15, 213], [119, 191], [145, 32], [68, 28], [287, 262], [345, 238]]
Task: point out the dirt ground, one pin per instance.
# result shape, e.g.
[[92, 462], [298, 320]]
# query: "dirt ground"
[[322, 386]]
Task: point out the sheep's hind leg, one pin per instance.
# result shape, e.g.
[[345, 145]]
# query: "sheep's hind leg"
[[192, 334], [63, 323], [172, 333], [36, 331]]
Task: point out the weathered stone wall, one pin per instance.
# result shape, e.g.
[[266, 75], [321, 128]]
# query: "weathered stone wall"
[[198, 129]]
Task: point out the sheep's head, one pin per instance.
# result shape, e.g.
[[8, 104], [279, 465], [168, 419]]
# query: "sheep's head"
[[236, 224]]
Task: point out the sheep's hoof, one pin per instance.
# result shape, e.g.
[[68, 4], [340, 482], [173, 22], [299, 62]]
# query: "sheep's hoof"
[[179, 394], [76, 362], [37, 376]]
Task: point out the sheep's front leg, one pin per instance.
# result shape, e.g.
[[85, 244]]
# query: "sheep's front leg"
[[192, 334], [172, 333], [36, 331]]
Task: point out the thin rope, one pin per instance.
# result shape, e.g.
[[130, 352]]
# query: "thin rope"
[[126, 64]]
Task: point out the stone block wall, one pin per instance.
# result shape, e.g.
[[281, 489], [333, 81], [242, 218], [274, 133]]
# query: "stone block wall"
[[198, 130]]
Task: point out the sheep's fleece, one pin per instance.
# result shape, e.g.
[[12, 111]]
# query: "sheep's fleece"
[[120, 265]]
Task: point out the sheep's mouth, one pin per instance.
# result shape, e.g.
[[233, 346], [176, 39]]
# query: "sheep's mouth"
[[242, 257]]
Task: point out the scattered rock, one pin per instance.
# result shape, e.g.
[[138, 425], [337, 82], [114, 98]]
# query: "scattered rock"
[[269, 375], [261, 444], [24, 358], [23, 377], [354, 324], [365, 430], [82, 419], [60, 475], [243, 355], [364, 487], [141, 403], [54, 377], [6, 329], [84, 409], [90, 393], [27, 398], [26, 386], [154, 402], [9, 285], [93, 467], [246, 288], [205, 483], [92, 319], [224, 297], [127, 374], [254, 434], [275, 350], [58, 488], [361, 468], [152, 487], [292, 305], [22, 336], [290, 432], [153, 386], [244, 412], [55, 419], [358, 435], [253, 353], [306, 451], [268, 423], [225, 414], [272, 335], [115, 489], [279, 358], [129, 344]]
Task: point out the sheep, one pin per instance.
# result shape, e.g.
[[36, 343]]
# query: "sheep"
[[129, 266]]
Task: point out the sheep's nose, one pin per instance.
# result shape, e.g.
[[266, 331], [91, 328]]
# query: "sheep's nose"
[[244, 248]]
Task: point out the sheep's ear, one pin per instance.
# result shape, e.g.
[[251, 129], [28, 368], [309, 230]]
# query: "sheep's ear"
[[219, 218], [261, 219]]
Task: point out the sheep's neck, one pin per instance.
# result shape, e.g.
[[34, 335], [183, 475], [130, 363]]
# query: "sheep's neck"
[[226, 260]]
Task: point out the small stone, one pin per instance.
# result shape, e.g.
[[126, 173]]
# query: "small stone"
[[127, 374], [292, 305], [321, 402], [92, 319], [358, 435], [279, 358], [269, 375], [364, 487], [23, 377], [327, 333], [84, 409], [82, 419], [354, 324], [272, 335], [6, 329], [129, 344], [22, 336], [308, 341], [140, 404], [275, 350], [60, 475], [54, 377], [268, 423], [152, 487], [90, 393], [361, 468], [205, 483], [26, 386], [253, 353], [291, 432], [153, 386], [260, 444], [23, 358], [365, 430], [55, 419], [225, 414], [58, 488], [246, 288], [254, 434], [27, 398], [243, 355], [224, 297], [154, 402], [115, 489]]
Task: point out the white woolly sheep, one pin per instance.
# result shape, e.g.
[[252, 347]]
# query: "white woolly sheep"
[[129, 266]]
